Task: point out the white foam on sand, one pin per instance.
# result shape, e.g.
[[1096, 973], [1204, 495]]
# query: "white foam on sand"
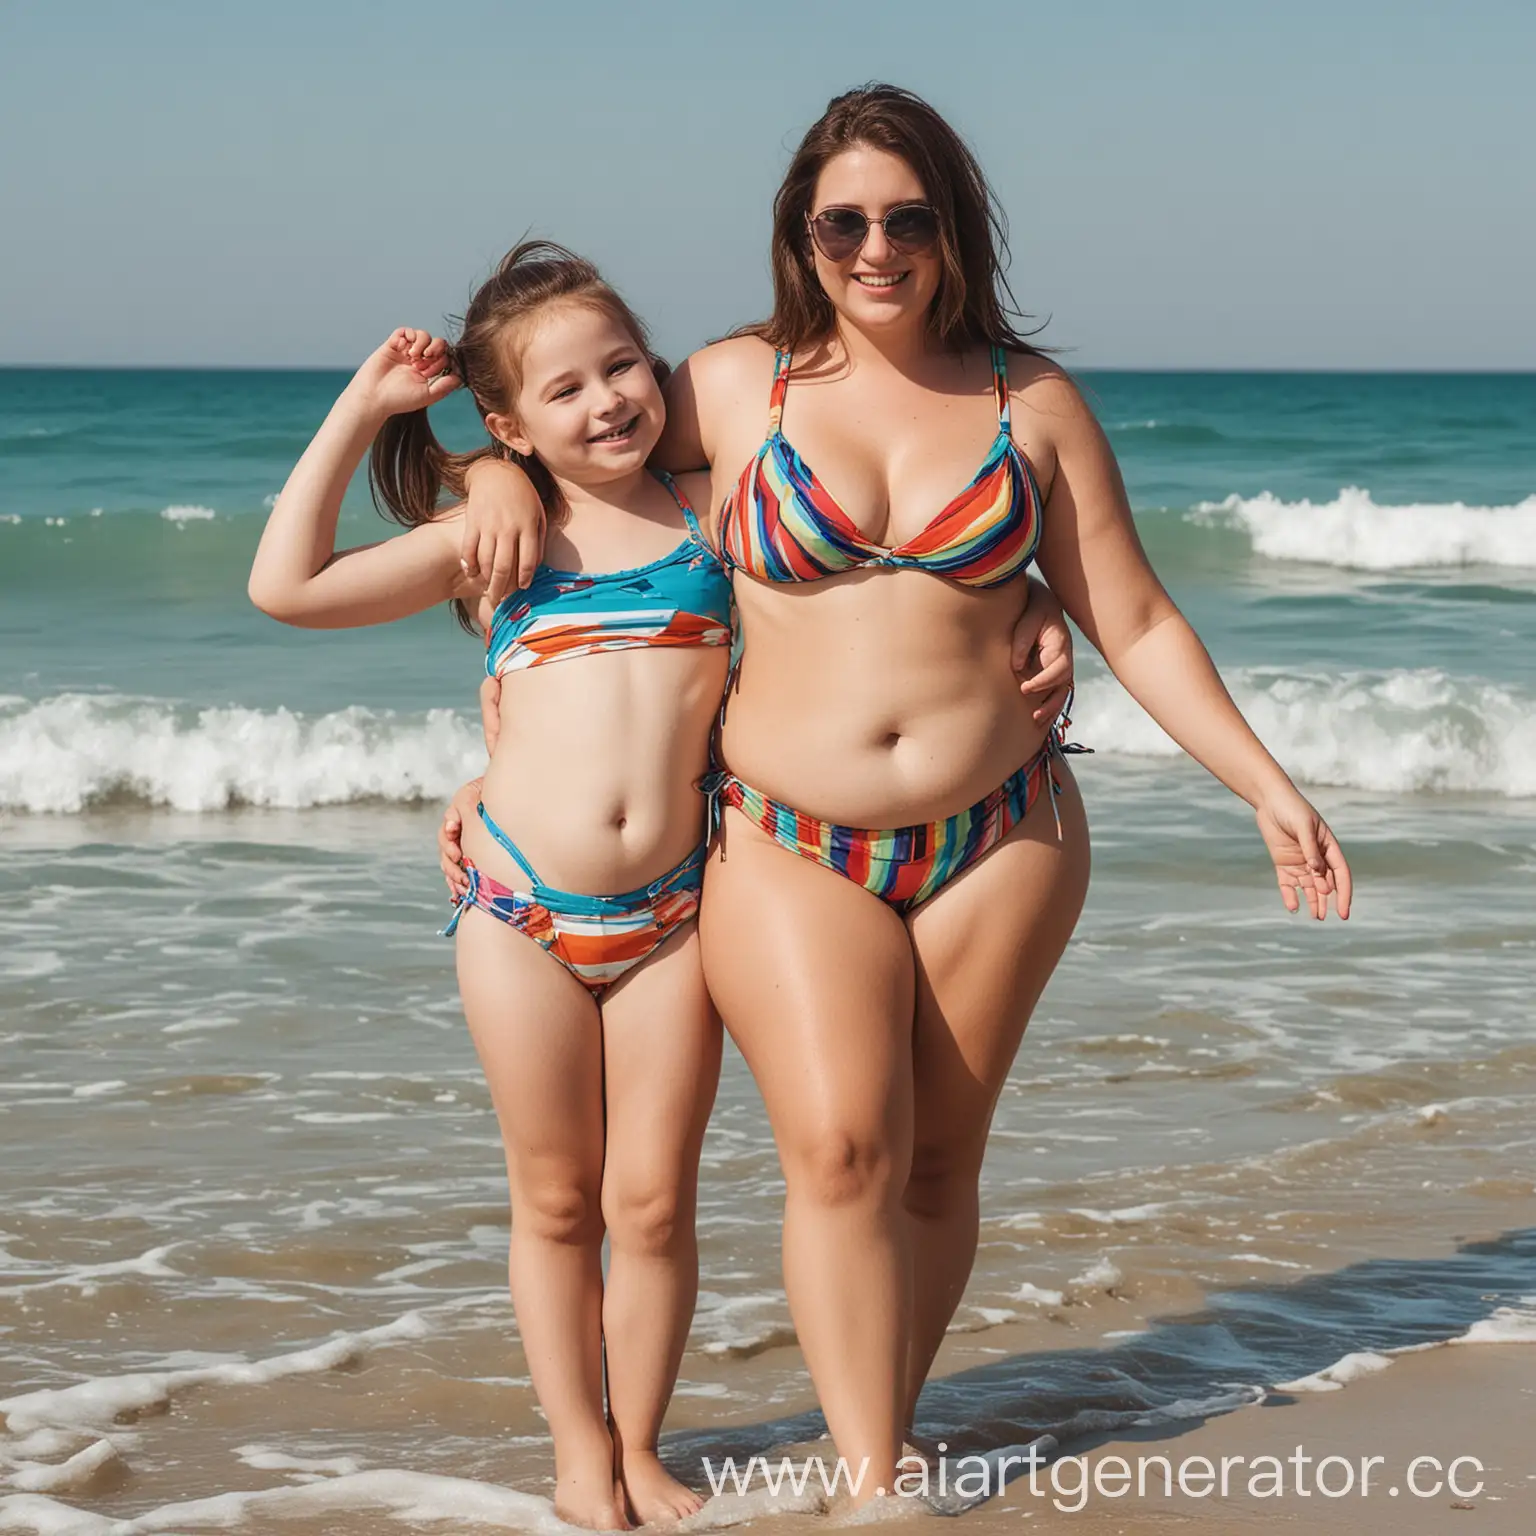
[[1126, 1216], [97, 1403], [1336, 1377], [150, 1263], [76, 1471], [1505, 1325], [413, 1498], [1100, 1276], [409, 1497], [1038, 1296], [1355, 532], [265, 1459]]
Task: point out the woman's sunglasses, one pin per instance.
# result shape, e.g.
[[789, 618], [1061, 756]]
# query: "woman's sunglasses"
[[839, 233]]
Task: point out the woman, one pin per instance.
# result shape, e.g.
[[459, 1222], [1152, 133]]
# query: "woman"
[[878, 982]]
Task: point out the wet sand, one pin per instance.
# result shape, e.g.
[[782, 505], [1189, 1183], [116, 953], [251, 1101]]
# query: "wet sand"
[[1448, 1402]]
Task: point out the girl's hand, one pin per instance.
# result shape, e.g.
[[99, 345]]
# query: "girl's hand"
[[1307, 855], [408, 373], [1042, 653], [503, 528], [450, 853]]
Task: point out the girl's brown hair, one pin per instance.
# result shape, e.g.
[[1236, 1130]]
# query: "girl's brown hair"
[[408, 468], [974, 301]]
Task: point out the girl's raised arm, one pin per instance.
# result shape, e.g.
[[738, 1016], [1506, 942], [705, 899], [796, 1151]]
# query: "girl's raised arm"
[[298, 576]]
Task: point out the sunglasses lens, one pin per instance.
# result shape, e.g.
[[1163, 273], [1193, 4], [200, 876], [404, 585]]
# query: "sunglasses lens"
[[839, 232], [912, 230]]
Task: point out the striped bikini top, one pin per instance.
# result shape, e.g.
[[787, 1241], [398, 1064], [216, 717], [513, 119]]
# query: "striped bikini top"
[[684, 598], [780, 524]]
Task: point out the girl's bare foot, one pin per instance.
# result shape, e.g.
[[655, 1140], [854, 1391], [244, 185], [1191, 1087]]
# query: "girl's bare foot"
[[594, 1499], [655, 1496]]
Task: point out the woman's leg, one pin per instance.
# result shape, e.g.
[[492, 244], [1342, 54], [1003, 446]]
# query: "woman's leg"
[[813, 977], [537, 1033], [985, 947], [661, 1050]]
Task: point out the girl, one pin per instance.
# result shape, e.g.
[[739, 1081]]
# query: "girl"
[[597, 1037]]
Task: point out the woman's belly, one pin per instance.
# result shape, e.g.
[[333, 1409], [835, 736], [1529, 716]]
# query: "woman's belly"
[[878, 699], [596, 771]]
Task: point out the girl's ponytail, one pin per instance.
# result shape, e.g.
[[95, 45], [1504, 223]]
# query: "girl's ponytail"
[[408, 468], [408, 471]]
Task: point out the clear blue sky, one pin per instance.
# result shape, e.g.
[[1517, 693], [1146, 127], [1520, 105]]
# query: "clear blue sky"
[[1190, 182]]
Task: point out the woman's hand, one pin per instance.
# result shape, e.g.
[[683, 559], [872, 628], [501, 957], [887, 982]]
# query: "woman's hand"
[[450, 853], [490, 713], [1042, 653], [408, 373], [503, 528], [1307, 856]]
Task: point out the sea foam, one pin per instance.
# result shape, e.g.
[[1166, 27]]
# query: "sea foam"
[[71, 751], [1399, 732], [1355, 532], [97, 1402]]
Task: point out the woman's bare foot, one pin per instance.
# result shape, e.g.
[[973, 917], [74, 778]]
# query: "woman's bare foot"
[[924, 1447], [592, 1499], [655, 1496]]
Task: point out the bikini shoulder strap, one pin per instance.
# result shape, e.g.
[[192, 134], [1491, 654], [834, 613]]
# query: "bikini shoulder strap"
[[781, 362], [689, 516], [1000, 389]]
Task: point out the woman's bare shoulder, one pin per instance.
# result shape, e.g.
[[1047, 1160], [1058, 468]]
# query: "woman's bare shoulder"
[[1048, 397], [1033, 376], [1051, 416], [709, 398], [731, 366]]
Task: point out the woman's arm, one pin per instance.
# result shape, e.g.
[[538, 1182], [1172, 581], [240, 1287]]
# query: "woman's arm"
[[1092, 557], [297, 576], [682, 440], [717, 404], [502, 540]]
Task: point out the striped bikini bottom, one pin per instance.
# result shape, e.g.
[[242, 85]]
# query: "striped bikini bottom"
[[596, 938], [903, 866]]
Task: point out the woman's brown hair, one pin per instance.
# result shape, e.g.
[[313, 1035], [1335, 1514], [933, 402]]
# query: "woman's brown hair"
[[974, 301], [408, 468]]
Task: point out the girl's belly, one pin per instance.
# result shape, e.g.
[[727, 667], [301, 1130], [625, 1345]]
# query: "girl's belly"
[[595, 774], [879, 705]]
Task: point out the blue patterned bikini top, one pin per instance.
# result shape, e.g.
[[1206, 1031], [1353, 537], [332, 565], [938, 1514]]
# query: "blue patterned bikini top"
[[684, 598]]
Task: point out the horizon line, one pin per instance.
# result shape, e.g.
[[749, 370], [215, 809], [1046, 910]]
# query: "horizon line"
[[1356, 370]]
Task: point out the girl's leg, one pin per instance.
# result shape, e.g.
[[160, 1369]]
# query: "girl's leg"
[[985, 946], [813, 977], [536, 1030], [661, 1049]]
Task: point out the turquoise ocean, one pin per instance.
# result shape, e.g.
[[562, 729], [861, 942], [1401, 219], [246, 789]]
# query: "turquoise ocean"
[[252, 1206]]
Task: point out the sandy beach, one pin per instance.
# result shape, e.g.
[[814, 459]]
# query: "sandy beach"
[[1450, 1402], [1402, 1445]]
